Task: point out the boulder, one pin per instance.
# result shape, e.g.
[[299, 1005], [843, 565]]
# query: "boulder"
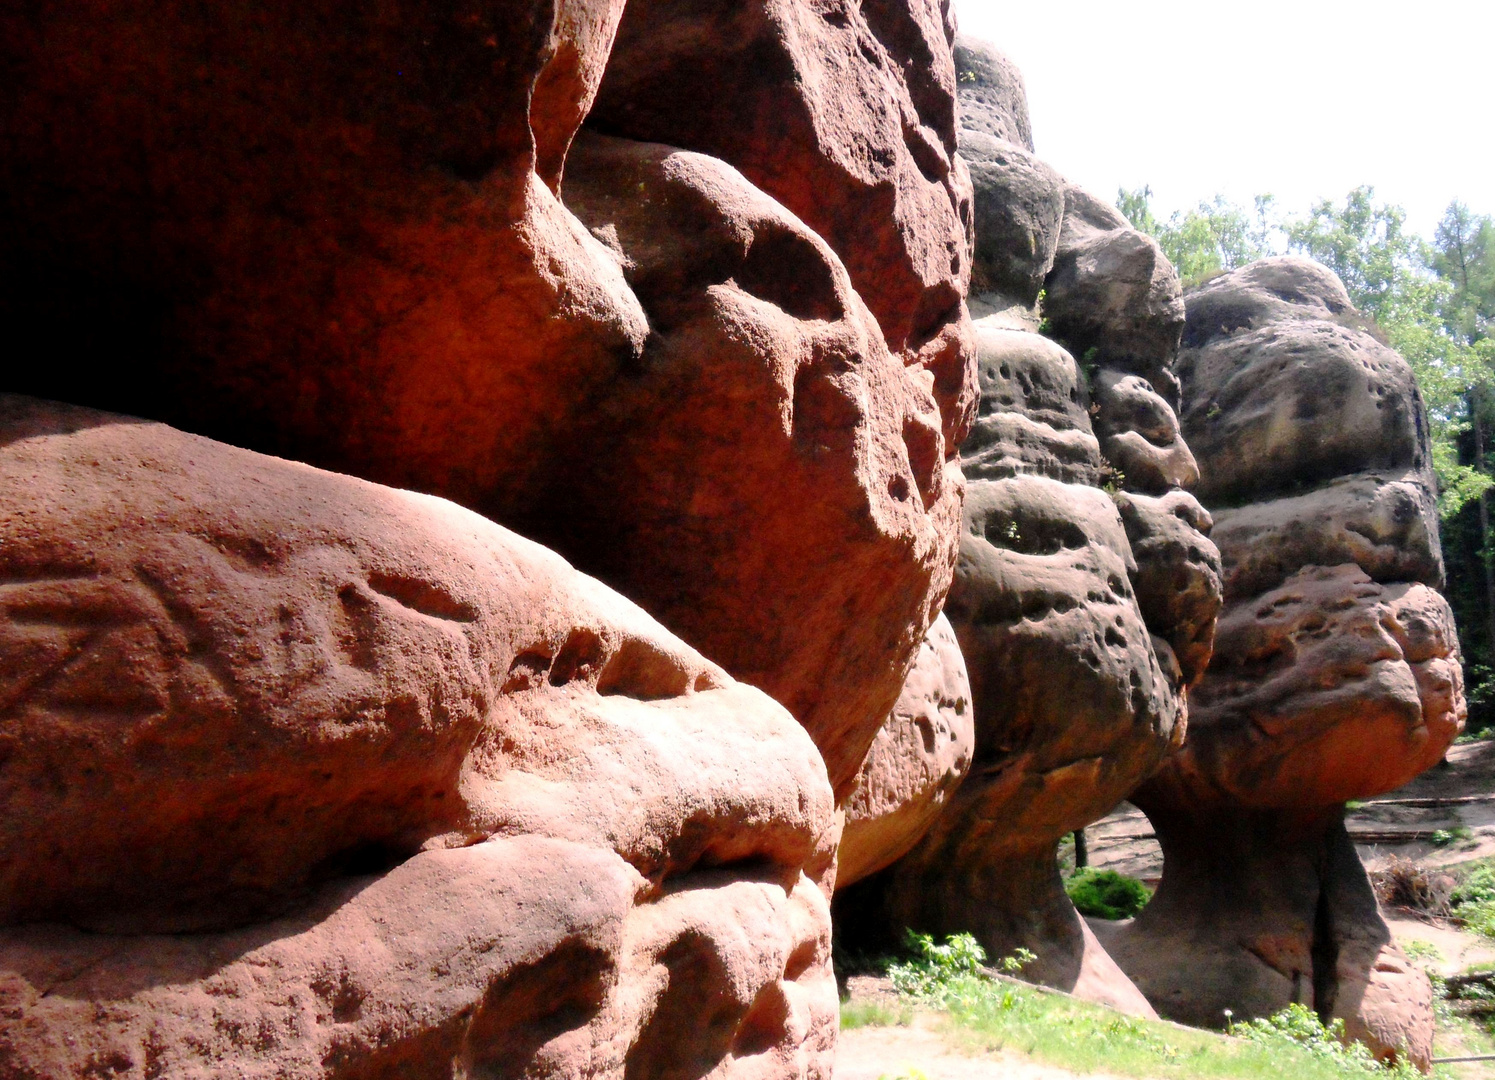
[[846, 115], [1177, 581], [1336, 670], [307, 777], [1033, 416], [349, 248], [1019, 207], [1139, 435], [774, 482], [920, 756], [1384, 523], [1112, 298], [992, 98]]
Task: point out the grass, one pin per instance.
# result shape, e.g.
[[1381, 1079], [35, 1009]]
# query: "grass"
[[985, 1013], [858, 1014]]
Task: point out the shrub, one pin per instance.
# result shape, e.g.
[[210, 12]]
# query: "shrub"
[[1402, 883], [1107, 894]]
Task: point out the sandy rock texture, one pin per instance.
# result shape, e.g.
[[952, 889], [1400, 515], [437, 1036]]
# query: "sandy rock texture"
[[921, 754], [1083, 612], [1113, 298], [384, 249], [1335, 673], [844, 113], [306, 777]]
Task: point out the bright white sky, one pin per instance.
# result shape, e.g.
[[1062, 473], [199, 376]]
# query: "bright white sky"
[[1300, 98]]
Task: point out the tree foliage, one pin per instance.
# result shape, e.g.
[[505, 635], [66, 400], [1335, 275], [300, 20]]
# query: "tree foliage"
[[1434, 301]]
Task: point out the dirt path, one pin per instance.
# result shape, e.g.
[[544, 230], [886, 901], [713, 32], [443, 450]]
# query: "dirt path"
[[1457, 799], [874, 1053]]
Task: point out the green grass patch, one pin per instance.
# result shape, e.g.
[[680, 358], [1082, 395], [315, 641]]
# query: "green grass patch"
[[1106, 894], [988, 1014], [858, 1014]]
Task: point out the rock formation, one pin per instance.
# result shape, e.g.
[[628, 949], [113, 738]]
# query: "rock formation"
[[373, 241], [1083, 614], [920, 756], [304, 776], [1335, 672]]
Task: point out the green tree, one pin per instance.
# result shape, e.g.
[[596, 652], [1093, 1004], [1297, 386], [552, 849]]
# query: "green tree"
[[1210, 238]]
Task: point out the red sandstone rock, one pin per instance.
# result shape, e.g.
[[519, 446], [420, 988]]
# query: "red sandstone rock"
[[1336, 672], [843, 112], [775, 483], [920, 756], [405, 792], [347, 248]]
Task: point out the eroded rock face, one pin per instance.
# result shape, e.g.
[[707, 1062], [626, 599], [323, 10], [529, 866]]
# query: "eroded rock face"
[[845, 113], [1083, 614], [921, 754], [993, 96], [361, 258], [1335, 673], [1113, 299], [312, 777]]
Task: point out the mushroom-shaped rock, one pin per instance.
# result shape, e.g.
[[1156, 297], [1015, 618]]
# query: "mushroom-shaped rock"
[[1113, 298], [846, 115], [918, 759], [307, 777], [361, 260], [1335, 672]]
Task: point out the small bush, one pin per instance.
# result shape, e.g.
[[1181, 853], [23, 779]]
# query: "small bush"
[[1299, 1025], [1106, 894], [1402, 883], [932, 966]]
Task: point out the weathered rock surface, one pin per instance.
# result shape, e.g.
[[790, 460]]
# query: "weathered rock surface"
[[1335, 673], [345, 780], [1079, 652], [1139, 435], [1020, 205], [846, 115], [993, 98], [1034, 418], [1386, 524], [1113, 299], [920, 756], [1178, 575], [349, 249]]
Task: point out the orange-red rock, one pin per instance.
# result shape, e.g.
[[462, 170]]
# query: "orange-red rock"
[[921, 754], [345, 780], [337, 234], [845, 113], [1336, 671]]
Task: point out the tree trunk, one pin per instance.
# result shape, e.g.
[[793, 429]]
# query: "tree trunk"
[[1082, 850]]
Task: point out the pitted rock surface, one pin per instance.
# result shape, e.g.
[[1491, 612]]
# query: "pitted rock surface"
[[1033, 418], [1336, 672], [1020, 205], [846, 115], [364, 256], [921, 754], [340, 779], [993, 99]]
